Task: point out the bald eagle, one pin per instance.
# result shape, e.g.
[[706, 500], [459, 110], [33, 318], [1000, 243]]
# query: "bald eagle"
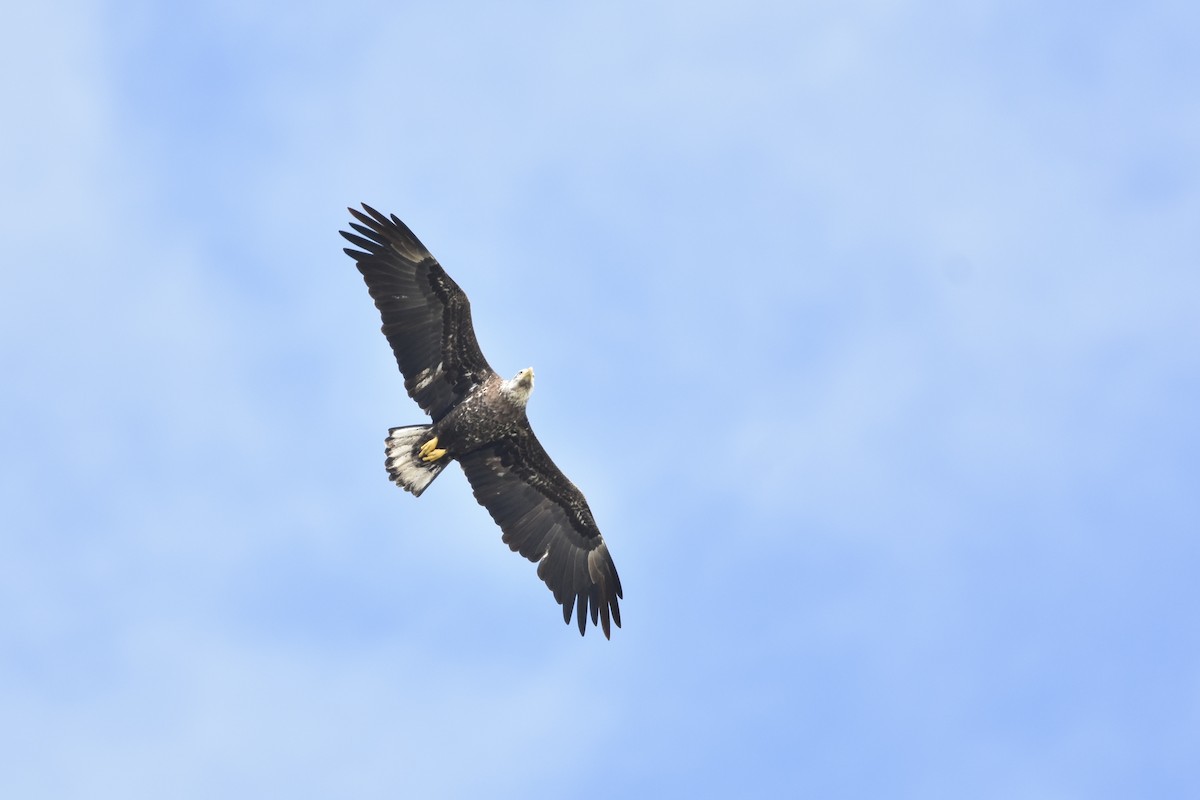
[[479, 421]]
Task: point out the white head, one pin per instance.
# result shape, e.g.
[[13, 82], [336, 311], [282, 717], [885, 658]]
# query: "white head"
[[520, 387]]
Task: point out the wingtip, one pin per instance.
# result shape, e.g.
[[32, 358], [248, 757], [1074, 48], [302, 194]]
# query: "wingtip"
[[371, 218], [608, 614]]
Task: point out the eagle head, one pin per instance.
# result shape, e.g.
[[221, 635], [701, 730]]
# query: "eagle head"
[[521, 386]]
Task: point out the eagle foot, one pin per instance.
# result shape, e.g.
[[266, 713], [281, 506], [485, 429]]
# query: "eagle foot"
[[430, 452]]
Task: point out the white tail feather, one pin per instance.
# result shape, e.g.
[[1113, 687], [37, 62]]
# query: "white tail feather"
[[405, 470]]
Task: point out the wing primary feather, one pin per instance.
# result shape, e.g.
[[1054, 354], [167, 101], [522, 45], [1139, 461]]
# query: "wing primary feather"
[[581, 611], [604, 626], [594, 600], [359, 241], [380, 218], [379, 238]]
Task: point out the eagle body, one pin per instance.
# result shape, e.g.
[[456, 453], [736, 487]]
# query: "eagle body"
[[486, 415], [479, 420]]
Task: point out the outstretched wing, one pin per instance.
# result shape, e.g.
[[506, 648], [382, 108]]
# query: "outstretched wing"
[[426, 317], [545, 518]]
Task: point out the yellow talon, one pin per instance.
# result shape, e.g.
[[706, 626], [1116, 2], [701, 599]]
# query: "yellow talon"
[[430, 451]]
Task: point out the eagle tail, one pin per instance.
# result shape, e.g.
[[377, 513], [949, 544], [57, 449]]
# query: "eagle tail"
[[404, 467]]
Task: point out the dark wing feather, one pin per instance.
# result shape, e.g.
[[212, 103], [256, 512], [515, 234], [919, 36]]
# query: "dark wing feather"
[[426, 317], [545, 518]]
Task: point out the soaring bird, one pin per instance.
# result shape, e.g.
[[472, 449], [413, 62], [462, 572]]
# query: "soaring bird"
[[478, 420]]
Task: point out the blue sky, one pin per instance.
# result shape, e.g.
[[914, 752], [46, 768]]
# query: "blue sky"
[[870, 330]]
